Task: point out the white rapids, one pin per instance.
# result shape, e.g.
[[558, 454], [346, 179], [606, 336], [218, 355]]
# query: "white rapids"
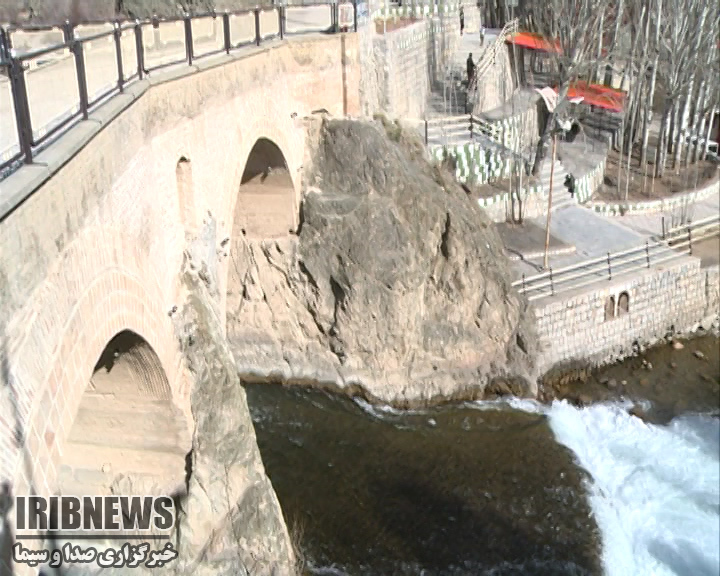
[[655, 490]]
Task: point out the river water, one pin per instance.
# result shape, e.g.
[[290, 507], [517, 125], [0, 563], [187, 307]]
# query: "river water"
[[497, 488]]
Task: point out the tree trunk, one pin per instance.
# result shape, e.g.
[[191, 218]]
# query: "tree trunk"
[[631, 139], [662, 138], [596, 70], [542, 145], [647, 117], [696, 129], [696, 153], [613, 46], [682, 127], [709, 133]]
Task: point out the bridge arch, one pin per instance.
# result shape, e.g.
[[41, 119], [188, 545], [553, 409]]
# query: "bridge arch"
[[126, 430], [93, 300], [266, 205]]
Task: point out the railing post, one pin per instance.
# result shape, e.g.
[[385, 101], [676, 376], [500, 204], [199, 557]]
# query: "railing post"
[[552, 285], [663, 227], [355, 15], [257, 26], [609, 267], [76, 48], [280, 22], [690, 240], [471, 127], [117, 33], [188, 39], [647, 252], [139, 50], [5, 44], [426, 132], [524, 289], [226, 32], [22, 109]]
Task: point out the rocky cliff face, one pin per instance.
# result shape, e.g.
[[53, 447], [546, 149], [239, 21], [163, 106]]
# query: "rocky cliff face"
[[396, 283], [231, 522]]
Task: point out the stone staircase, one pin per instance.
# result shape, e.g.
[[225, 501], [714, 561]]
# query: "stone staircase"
[[561, 195], [122, 431]]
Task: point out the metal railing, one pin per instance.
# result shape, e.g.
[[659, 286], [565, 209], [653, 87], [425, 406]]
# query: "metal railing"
[[16, 65], [487, 60], [442, 130], [677, 244]]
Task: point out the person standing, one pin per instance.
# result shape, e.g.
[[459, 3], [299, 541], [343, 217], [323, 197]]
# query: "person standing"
[[462, 20], [470, 69], [482, 36]]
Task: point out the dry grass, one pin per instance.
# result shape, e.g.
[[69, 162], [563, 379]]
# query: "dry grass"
[[296, 528]]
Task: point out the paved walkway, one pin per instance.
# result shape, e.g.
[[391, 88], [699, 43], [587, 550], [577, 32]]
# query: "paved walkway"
[[592, 235]]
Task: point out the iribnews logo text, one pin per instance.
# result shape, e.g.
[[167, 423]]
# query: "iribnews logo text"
[[94, 514]]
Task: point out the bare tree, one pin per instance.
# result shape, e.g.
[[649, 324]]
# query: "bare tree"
[[574, 29]]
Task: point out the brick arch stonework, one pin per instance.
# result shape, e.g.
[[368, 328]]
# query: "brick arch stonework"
[[290, 140], [99, 300], [97, 247]]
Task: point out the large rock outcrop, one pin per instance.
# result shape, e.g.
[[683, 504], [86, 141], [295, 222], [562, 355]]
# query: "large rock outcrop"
[[231, 522], [396, 283]]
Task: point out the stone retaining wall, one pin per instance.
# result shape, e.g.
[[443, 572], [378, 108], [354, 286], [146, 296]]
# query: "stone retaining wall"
[[479, 165], [678, 201], [475, 163], [517, 132], [417, 11], [672, 298], [407, 61], [497, 85]]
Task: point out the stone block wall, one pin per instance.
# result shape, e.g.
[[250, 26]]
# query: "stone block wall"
[[519, 131], [712, 291], [535, 200], [673, 298], [404, 63], [497, 85], [475, 163], [416, 10]]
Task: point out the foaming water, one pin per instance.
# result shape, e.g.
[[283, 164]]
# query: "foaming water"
[[655, 490]]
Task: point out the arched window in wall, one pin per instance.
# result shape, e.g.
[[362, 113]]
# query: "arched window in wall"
[[609, 308], [623, 304]]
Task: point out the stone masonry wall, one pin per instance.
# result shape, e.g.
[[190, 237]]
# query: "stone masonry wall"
[[405, 63], [712, 291], [673, 298], [535, 200], [497, 85]]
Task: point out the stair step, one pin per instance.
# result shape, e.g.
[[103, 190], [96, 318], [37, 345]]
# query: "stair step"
[[145, 427], [91, 457]]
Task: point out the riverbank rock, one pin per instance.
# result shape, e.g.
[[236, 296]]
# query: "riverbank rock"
[[230, 521], [396, 283]]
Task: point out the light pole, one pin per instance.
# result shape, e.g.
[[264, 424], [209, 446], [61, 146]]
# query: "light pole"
[[549, 210]]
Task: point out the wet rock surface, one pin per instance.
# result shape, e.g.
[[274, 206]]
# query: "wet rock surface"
[[396, 282], [665, 381]]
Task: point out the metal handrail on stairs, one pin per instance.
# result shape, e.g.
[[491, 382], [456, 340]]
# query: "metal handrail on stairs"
[[488, 57]]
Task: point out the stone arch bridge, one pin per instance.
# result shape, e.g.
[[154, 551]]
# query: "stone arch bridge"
[[92, 237]]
